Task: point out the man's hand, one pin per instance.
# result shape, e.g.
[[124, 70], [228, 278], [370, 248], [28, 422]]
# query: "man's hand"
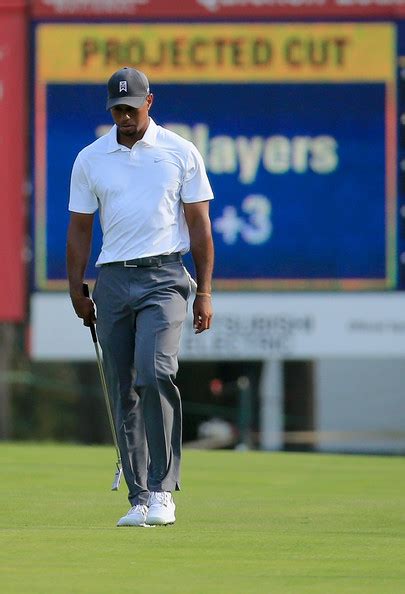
[[202, 310], [78, 251], [84, 308], [202, 250]]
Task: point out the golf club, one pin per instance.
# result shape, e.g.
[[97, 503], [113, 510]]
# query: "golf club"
[[118, 472]]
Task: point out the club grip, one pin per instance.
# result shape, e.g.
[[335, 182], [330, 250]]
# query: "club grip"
[[86, 293]]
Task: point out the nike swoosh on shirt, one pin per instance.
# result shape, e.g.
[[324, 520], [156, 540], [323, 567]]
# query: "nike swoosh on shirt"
[[166, 160]]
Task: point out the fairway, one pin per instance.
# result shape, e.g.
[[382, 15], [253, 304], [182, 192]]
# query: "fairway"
[[247, 522]]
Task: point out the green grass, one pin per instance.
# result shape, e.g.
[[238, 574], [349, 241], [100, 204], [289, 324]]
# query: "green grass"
[[247, 523]]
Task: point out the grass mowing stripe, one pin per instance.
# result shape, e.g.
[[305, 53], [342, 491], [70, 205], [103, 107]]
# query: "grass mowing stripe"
[[247, 522]]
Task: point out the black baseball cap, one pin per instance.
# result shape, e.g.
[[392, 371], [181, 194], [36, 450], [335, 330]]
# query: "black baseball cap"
[[127, 86]]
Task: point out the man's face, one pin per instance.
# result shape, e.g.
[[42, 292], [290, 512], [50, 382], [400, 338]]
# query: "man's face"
[[132, 121]]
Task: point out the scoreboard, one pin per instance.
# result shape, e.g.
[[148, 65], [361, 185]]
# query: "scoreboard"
[[297, 124]]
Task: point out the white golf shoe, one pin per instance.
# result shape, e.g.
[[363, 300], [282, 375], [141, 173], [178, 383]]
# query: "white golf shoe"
[[135, 517], [161, 509]]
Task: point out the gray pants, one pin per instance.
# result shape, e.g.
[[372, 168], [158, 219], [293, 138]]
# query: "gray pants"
[[140, 312]]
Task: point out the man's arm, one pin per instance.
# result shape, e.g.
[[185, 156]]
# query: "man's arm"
[[202, 250], [78, 252]]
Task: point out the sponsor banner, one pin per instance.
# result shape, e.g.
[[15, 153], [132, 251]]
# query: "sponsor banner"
[[217, 53], [250, 327], [301, 157], [14, 136], [212, 9]]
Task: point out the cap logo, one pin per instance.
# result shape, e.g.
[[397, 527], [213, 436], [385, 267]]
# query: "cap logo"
[[123, 86]]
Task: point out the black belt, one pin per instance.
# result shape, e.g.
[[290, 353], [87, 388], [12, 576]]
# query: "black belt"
[[148, 262]]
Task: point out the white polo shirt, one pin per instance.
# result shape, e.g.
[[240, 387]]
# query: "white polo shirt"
[[139, 192]]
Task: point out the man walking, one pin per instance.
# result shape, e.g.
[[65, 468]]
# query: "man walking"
[[153, 194]]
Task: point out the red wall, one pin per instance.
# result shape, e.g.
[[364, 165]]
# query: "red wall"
[[13, 150], [213, 9]]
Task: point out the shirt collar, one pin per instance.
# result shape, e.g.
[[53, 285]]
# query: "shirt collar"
[[151, 133], [149, 137], [112, 144]]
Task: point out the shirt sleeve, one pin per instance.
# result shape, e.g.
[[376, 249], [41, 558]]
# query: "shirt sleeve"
[[82, 198], [195, 186]]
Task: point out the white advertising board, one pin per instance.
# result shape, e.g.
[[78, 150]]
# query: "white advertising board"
[[249, 326]]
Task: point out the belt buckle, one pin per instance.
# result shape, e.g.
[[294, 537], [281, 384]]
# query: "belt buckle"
[[126, 265], [152, 261]]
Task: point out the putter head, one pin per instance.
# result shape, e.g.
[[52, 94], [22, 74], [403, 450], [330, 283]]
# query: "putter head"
[[117, 479]]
